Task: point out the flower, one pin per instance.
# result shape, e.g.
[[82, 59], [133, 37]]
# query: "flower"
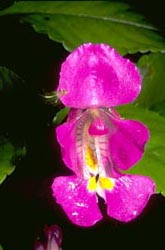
[[53, 239], [96, 146], [97, 143]]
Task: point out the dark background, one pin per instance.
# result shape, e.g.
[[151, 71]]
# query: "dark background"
[[26, 204]]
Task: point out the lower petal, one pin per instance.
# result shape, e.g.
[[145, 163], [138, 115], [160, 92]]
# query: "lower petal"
[[79, 204], [129, 197]]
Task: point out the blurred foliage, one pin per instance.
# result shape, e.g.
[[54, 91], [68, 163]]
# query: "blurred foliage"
[[9, 151], [153, 89], [153, 162], [9, 156], [73, 23]]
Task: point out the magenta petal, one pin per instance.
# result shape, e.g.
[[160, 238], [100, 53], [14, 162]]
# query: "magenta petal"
[[66, 138], [71, 139], [129, 197], [79, 204], [95, 75], [127, 143], [98, 127]]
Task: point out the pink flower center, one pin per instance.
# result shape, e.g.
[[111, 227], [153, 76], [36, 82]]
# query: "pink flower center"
[[93, 133]]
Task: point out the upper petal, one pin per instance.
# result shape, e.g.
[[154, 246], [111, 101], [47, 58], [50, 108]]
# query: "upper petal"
[[79, 204], [128, 142], [95, 75], [129, 197]]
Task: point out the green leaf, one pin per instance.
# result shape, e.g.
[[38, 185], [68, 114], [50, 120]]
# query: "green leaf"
[[8, 79], [60, 116], [8, 156], [153, 90], [73, 23], [153, 161], [9, 153], [1, 247], [159, 107]]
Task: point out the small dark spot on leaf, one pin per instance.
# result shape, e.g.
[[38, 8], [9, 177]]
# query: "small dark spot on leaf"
[[46, 18]]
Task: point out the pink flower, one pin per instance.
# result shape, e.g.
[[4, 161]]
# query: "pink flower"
[[53, 240], [97, 144]]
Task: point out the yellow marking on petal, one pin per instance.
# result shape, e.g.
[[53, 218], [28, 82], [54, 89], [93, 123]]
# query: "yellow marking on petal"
[[95, 112], [92, 185], [90, 159], [106, 183]]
